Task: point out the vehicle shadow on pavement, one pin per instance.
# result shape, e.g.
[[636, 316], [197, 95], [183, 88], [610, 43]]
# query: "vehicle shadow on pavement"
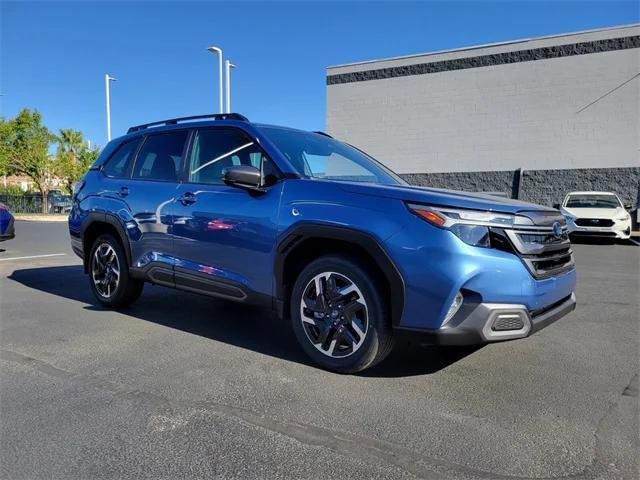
[[223, 321]]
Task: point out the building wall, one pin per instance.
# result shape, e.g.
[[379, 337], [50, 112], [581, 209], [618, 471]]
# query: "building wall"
[[560, 103], [545, 187]]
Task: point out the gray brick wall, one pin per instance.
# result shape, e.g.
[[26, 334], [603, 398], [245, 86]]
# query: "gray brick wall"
[[505, 181], [544, 187]]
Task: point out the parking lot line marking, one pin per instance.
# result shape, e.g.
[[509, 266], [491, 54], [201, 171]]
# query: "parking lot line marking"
[[32, 256], [634, 241]]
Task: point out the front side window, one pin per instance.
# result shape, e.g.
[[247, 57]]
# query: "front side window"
[[118, 165], [216, 149], [160, 157], [318, 156], [593, 201]]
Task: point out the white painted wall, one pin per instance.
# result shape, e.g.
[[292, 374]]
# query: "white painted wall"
[[527, 115]]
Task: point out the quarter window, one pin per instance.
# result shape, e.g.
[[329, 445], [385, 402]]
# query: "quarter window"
[[118, 164], [160, 157], [215, 150]]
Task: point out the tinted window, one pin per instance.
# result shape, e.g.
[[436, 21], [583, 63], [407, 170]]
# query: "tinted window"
[[118, 164], [159, 157], [215, 150]]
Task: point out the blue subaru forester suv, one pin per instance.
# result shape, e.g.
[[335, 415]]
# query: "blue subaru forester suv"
[[321, 233]]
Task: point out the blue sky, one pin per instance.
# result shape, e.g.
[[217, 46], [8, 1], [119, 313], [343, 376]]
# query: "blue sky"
[[54, 55]]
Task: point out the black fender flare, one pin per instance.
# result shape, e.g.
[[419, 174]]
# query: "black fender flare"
[[371, 245], [100, 217]]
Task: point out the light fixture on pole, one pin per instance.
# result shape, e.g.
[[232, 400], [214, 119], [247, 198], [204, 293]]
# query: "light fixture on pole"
[[108, 79], [219, 52], [228, 66]]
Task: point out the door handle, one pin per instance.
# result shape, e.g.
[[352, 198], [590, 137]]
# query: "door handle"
[[124, 191], [187, 199]]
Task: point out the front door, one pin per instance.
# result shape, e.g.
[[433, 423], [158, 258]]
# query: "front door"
[[224, 236]]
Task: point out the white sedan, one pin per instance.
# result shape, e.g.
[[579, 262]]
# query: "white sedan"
[[597, 214]]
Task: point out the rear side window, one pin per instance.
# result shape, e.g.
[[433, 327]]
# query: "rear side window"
[[216, 149], [118, 165], [160, 157]]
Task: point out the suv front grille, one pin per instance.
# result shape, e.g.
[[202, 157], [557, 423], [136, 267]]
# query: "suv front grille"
[[544, 253], [549, 263], [594, 222]]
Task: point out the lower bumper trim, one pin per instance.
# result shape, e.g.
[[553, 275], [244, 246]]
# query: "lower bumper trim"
[[483, 324], [622, 233], [551, 315]]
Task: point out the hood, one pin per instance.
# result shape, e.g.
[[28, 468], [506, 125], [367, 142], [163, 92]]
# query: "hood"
[[439, 196], [606, 213]]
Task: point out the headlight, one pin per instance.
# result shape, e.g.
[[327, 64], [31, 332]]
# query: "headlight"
[[623, 217], [471, 226]]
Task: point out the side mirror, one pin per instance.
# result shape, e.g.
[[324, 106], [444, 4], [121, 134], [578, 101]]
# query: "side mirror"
[[628, 206], [556, 206], [244, 176]]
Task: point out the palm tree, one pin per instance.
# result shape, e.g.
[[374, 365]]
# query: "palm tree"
[[70, 141]]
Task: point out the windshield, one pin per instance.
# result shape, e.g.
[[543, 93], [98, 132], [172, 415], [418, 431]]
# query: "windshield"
[[318, 156], [593, 201]]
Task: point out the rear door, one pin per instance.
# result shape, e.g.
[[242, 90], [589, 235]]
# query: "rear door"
[[224, 236], [150, 193]]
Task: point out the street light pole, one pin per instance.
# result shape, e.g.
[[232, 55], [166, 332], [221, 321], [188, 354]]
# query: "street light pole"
[[108, 79], [228, 66], [219, 52]]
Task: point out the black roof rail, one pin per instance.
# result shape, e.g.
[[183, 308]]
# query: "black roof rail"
[[323, 133], [174, 121]]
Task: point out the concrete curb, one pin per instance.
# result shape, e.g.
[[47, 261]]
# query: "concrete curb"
[[27, 217]]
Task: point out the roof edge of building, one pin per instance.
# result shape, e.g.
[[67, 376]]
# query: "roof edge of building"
[[486, 45]]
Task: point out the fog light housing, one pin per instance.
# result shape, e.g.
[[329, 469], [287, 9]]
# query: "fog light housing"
[[453, 308]]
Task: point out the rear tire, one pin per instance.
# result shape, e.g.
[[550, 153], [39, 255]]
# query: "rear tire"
[[109, 276], [346, 328]]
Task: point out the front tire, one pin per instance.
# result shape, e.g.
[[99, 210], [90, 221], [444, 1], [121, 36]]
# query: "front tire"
[[339, 314], [109, 276]]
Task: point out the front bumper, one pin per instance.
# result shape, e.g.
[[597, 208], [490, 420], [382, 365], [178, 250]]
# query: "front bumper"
[[491, 322], [620, 230], [435, 265]]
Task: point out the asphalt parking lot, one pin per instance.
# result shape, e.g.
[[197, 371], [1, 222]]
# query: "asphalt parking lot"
[[183, 386]]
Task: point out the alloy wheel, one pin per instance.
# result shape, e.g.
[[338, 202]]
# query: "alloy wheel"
[[105, 270], [334, 314]]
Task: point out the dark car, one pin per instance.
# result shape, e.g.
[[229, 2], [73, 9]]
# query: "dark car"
[[59, 203], [7, 230], [320, 232]]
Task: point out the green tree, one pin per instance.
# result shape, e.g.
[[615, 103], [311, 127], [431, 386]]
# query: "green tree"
[[24, 150], [70, 141], [5, 168], [71, 168]]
